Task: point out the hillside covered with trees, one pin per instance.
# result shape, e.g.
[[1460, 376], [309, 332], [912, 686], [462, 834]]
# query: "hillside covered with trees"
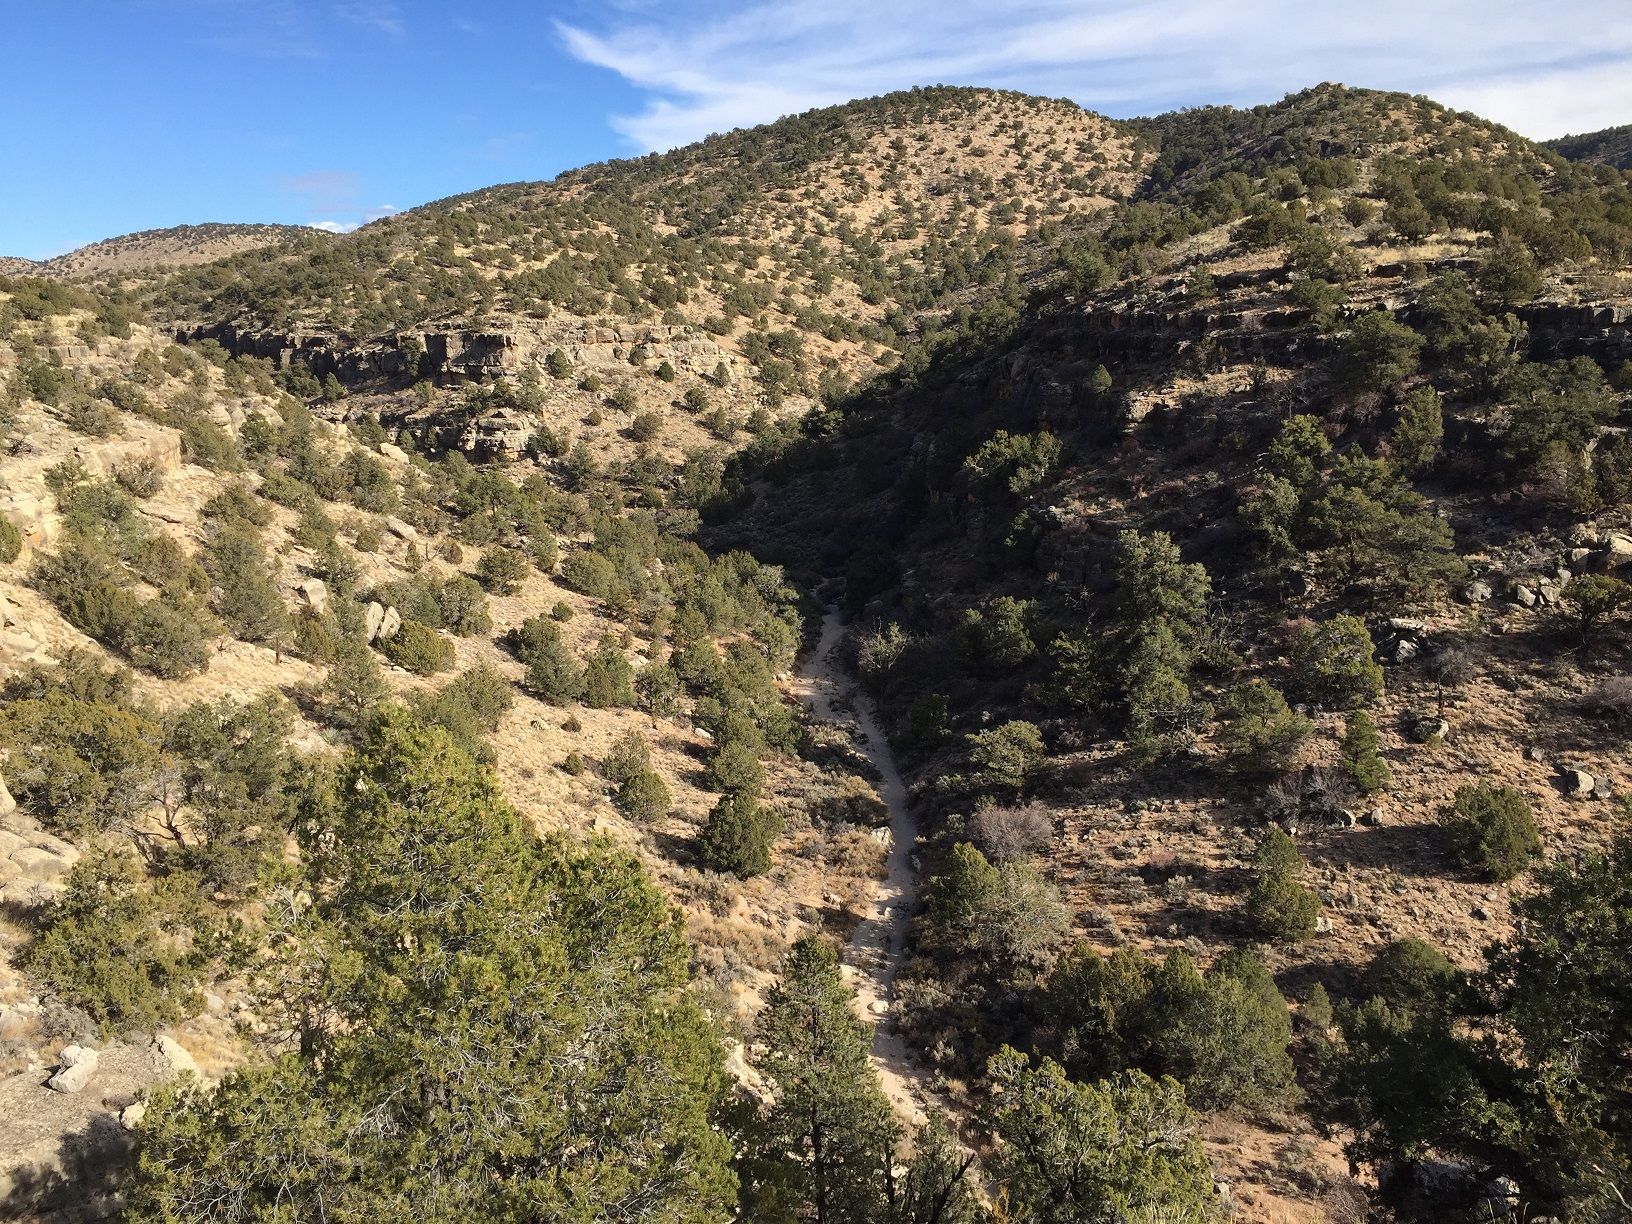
[[1228, 512]]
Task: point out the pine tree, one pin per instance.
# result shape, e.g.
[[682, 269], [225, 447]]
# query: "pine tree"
[[1278, 904], [1358, 754], [823, 1151]]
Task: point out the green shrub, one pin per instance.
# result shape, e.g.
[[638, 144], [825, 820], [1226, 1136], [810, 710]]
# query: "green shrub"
[[463, 606], [553, 674], [502, 571], [208, 445], [11, 541], [468, 708], [646, 426], [589, 573], [1412, 975], [1261, 733], [738, 836], [418, 648], [1279, 905], [1335, 663], [561, 611], [1225, 1035], [1008, 756], [558, 364], [1490, 829], [609, 678], [734, 769], [130, 955], [665, 371], [1122, 1149], [1378, 351], [1008, 911]]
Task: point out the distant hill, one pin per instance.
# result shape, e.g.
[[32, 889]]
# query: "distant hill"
[[1610, 147], [179, 246]]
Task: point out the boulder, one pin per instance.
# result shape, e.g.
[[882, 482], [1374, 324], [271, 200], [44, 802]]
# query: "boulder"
[[1477, 592], [130, 1117], [174, 1053], [1372, 819], [389, 624], [1407, 625], [1579, 784], [1617, 550], [316, 593], [76, 1065], [373, 618], [8, 805], [400, 529], [40, 864], [392, 451], [1425, 727], [1524, 596]]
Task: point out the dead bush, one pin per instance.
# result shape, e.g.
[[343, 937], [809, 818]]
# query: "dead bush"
[[1315, 795], [1611, 699], [859, 855], [1005, 833]]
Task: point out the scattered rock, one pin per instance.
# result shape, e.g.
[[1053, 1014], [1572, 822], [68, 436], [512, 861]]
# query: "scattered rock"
[[1524, 596], [1578, 555], [879, 1007], [1481, 914], [130, 1117], [76, 1066], [1478, 591], [1535, 753], [1373, 819], [392, 451], [1323, 925], [1406, 624]]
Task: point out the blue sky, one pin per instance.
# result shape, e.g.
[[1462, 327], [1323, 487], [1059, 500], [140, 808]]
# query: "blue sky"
[[122, 115]]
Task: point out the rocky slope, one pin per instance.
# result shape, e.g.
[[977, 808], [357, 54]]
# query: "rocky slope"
[[797, 341]]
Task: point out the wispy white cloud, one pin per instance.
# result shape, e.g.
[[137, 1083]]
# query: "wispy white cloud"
[[1542, 69], [380, 15], [333, 199]]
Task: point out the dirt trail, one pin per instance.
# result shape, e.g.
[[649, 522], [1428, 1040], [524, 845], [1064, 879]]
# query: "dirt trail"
[[878, 947]]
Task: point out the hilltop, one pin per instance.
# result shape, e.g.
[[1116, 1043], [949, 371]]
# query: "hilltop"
[[154, 251], [1181, 482], [1610, 147]]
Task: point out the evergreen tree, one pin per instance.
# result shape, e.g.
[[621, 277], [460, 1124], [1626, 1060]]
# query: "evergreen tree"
[[1358, 754], [1123, 1149], [1279, 905], [739, 835], [486, 1026], [1261, 733], [823, 1151]]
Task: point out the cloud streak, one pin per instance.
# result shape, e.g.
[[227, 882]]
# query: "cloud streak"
[[1542, 70]]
